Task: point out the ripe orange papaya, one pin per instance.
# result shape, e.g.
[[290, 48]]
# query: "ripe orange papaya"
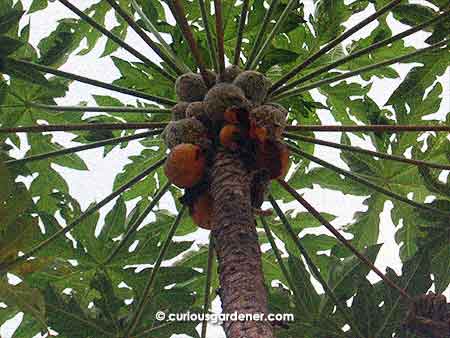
[[201, 211], [185, 165], [229, 136]]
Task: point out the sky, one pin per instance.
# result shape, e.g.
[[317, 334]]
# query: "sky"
[[95, 184]]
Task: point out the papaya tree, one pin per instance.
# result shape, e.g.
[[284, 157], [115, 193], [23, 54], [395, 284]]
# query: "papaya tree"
[[226, 108]]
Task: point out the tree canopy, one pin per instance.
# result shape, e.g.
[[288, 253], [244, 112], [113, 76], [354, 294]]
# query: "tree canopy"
[[97, 259]]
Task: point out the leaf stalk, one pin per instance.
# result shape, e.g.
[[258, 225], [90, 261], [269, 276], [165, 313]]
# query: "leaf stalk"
[[241, 29], [341, 238], [100, 109], [181, 18], [365, 182], [317, 84], [139, 31], [86, 126], [181, 66], [148, 288], [361, 52], [84, 147], [133, 228], [220, 36], [96, 83], [313, 267], [82, 217], [377, 128], [271, 36], [117, 40], [367, 152], [209, 36], [261, 32], [332, 44]]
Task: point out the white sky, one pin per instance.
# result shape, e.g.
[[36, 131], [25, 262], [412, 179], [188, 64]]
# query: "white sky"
[[95, 184]]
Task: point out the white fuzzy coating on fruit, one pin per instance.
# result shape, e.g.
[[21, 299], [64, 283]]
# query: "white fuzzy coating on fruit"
[[196, 109], [230, 74], [179, 110], [211, 77], [284, 111], [188, 130], [270, 117], [190, 87], [254, 85], [222, 97]]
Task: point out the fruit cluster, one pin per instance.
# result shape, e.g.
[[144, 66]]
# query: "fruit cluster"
[[232, 115]]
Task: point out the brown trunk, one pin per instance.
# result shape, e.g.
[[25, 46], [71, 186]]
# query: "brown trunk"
[[238, 251]]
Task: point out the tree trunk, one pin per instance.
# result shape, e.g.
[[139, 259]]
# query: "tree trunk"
[[238, 251]]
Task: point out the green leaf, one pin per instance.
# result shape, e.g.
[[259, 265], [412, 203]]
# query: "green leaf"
[[17, 225], [413, 14], [276, 56], [300, 221], [365, 308], [342, 273], [84, 299], [139, 163], [44, 144], [38, 5], [366, 224], [121, 32], [329, 17], [97, 12], [306, 291], [435, 233], [408, 96], [29, 327], [415, 280], [68, 318], [25, 299], [432, 182], [8, 45], [56, 48], [108, 303], [9, 19], [22, 72], [114, 221]]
